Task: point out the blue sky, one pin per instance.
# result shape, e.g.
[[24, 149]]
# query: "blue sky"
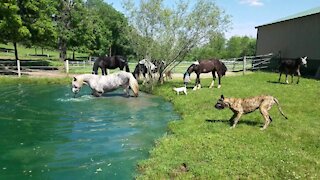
[[247, 14]]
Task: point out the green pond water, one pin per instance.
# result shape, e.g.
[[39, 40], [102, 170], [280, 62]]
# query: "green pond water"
[[47, 134]]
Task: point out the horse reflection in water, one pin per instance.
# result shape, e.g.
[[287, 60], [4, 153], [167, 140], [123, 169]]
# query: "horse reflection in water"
[[102, 84], [205, 66], [110, 62]]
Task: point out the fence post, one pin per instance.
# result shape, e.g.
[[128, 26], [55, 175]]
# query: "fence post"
[[67, 66], [19, 68], [244, 65]]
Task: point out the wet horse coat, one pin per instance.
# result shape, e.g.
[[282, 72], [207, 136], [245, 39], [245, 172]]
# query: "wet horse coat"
[[206, 66], [102, 84], [109, 62]]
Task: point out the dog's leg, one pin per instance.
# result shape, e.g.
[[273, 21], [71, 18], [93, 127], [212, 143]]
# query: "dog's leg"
[[185, 92], [231, 120], [264, 108], [236, 119]]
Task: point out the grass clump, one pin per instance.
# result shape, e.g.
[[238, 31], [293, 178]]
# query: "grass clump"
[[203, 141]]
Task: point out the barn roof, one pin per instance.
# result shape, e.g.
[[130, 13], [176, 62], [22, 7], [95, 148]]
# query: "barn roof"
[[295, 16]]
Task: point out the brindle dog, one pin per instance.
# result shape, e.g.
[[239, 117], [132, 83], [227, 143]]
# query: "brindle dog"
[[241, 106]]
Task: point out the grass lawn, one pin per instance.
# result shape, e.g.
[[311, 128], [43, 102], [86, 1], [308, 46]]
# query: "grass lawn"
[[204, 142]]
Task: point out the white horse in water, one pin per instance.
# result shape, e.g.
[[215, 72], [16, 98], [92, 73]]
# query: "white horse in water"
[[102, 84]]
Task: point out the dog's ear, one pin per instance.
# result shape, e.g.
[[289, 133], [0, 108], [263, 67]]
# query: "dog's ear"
[[74, 79], [222, 97]]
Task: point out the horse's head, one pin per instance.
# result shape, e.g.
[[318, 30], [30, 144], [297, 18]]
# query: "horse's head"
[[186, 78], [304, 61], [76, 84]]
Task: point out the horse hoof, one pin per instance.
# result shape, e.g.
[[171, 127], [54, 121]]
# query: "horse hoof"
[[219, 86]]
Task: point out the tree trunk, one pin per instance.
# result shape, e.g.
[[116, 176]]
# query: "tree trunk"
[[62, 49], [73, 52], [17, 58]]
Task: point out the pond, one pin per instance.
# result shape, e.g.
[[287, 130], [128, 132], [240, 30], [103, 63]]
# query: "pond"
[[48, 134]]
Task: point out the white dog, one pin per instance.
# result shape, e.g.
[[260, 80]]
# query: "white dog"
[[181, 89]]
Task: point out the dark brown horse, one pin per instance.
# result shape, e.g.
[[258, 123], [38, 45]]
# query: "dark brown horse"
[[109, 62], [206, 66]]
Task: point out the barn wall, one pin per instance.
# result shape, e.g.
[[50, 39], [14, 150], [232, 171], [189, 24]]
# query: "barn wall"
[[293, 38]]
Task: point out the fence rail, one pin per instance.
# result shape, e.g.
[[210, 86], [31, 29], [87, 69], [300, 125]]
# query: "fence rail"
[[233, 64]]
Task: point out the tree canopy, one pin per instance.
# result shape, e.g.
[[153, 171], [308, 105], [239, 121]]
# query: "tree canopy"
[[170, 33], [185, 30]]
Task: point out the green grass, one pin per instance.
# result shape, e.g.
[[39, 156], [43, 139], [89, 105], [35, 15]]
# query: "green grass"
[[25, 53], [33, 80], [203, 140]]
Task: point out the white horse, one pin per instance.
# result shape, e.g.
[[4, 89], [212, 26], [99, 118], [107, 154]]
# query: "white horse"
[[102, 84]]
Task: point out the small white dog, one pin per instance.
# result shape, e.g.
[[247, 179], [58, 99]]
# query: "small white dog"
[[181, 89]]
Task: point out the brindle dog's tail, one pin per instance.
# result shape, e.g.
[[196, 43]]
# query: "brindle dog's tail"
[[277, 102]]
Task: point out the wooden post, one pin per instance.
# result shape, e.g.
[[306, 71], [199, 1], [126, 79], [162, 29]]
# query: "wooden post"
[[244, 65], [67, 66], [18, 66]]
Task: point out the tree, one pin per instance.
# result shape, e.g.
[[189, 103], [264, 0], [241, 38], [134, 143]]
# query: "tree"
[[25, 21], [110, 33], [37, 16], [169, 33], [240, 46], [12, 28], [216, 48]]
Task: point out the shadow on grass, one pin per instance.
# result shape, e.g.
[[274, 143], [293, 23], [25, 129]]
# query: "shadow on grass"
[[250, 123], [276, 82]]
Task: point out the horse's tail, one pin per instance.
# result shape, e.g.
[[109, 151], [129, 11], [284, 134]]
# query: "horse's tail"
[[95, 66], [277, 102], [223, 69], [133, 83]]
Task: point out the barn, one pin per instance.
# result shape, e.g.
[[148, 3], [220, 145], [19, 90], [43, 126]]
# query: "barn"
[[292, 37]]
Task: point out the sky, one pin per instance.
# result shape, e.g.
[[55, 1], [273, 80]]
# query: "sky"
[[248, 14]]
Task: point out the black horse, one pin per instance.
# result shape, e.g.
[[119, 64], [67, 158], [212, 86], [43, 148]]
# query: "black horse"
[[205, 66], [109, 62], [291, 66], [144, 67]]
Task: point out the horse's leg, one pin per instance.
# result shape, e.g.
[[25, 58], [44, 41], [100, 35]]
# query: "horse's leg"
[[103, 71], [280, 76], [287, 78], [144, 78], [197, 85], [299, 74], [219, 79], [292, 78], [213, 79]]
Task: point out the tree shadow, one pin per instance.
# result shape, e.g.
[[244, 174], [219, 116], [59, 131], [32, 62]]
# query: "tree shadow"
[[250, 123]]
